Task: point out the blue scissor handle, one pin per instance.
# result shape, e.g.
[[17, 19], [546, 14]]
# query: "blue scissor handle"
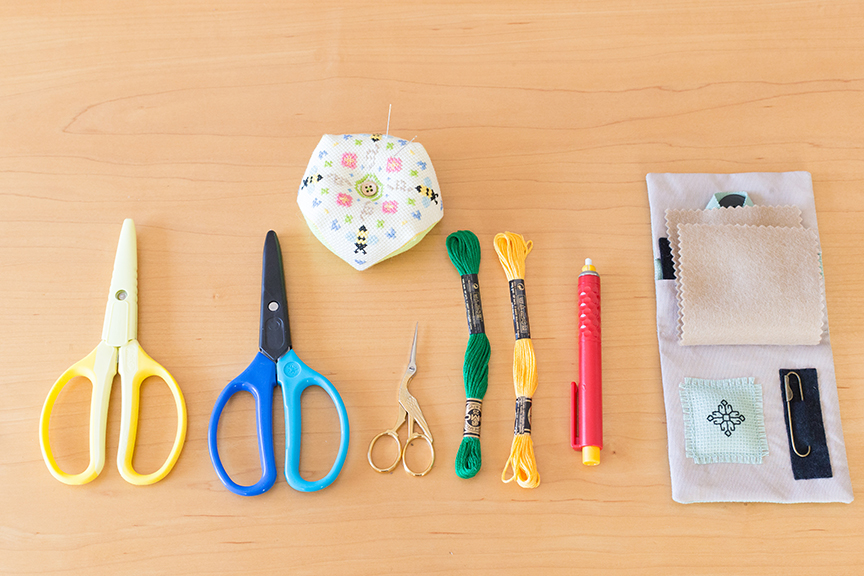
[[295, 377], [259, 379]]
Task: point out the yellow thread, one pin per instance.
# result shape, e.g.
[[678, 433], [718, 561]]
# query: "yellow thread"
[[512, 251]]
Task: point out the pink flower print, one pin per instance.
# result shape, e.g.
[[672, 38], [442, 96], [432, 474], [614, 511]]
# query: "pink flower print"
[[389, 207], [344, 199], [349, 160], [394, 164]]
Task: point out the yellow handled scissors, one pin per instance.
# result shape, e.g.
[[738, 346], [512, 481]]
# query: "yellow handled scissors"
[[119, 348], [409, 410]]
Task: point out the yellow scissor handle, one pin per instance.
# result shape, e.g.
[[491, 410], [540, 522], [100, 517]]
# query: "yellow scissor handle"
[[99, 367], [135, 367]]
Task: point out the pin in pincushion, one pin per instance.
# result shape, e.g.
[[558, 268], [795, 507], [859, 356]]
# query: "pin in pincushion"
[[368, 197]]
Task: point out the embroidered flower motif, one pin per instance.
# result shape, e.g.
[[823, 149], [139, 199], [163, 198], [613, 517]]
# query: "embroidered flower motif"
[[344, 199], [726, 417], [390, 207], [394, 164], [349, 160]]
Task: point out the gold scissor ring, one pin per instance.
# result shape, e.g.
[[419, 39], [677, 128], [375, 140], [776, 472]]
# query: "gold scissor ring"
[[408, 442], [393, 435]]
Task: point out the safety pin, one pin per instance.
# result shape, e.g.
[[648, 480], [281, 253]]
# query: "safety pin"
[[789, 397]]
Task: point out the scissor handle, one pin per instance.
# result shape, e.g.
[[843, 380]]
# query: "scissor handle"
[[296, 377], [135, 367], [259, 379], [99, 368], [411, 438], [395, 436]]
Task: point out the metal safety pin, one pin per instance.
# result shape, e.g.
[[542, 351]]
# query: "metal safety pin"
[[789, 397]]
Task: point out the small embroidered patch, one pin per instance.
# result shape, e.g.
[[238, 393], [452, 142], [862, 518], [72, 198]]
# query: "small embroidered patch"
[[723, 421], [726, 417]]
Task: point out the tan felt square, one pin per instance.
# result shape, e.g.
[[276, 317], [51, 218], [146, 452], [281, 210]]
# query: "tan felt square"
[[749, 285]]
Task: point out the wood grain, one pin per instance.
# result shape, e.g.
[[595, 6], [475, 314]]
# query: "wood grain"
[[197, 119]]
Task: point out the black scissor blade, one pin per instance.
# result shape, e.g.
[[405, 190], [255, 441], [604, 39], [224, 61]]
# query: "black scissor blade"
[[275, 337]]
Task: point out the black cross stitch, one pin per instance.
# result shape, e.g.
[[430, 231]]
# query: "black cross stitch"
[[726, 417]]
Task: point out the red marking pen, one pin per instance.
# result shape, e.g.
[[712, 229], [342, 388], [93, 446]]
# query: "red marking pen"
[[586, 410]]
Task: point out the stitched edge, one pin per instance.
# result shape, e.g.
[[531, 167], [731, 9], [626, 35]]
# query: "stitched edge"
[[747, 384], [695, 216]]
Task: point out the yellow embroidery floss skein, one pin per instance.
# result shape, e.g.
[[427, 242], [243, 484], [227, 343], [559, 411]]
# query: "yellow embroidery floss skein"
[[512, 251]]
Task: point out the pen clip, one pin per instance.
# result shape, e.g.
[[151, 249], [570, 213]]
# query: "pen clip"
[[575, 440]]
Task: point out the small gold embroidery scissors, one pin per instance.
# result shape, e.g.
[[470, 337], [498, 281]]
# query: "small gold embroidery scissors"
[[409, 410]]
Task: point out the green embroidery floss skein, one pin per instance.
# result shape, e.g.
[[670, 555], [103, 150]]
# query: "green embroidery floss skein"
[[464, 251]]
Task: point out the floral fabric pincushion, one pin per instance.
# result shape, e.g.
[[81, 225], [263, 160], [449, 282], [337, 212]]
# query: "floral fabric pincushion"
[[368, 197]]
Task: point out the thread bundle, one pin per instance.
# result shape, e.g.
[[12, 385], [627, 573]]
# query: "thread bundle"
[[512, 251], [464, 251]]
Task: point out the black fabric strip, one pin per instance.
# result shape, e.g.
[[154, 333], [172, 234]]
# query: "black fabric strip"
[[666, 266], [806, 424]]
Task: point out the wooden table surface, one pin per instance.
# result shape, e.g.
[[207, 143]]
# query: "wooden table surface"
[[197, 120]]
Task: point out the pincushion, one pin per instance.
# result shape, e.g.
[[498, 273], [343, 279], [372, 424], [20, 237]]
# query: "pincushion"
[[368, 197]]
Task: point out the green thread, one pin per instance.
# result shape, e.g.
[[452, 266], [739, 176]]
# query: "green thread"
[[464, 251]]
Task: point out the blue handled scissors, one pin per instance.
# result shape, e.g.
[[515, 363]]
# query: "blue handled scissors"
[[276, 364]]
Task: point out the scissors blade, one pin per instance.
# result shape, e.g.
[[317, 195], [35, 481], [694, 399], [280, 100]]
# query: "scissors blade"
[[121, 313], [275, 337], [412, 360]]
